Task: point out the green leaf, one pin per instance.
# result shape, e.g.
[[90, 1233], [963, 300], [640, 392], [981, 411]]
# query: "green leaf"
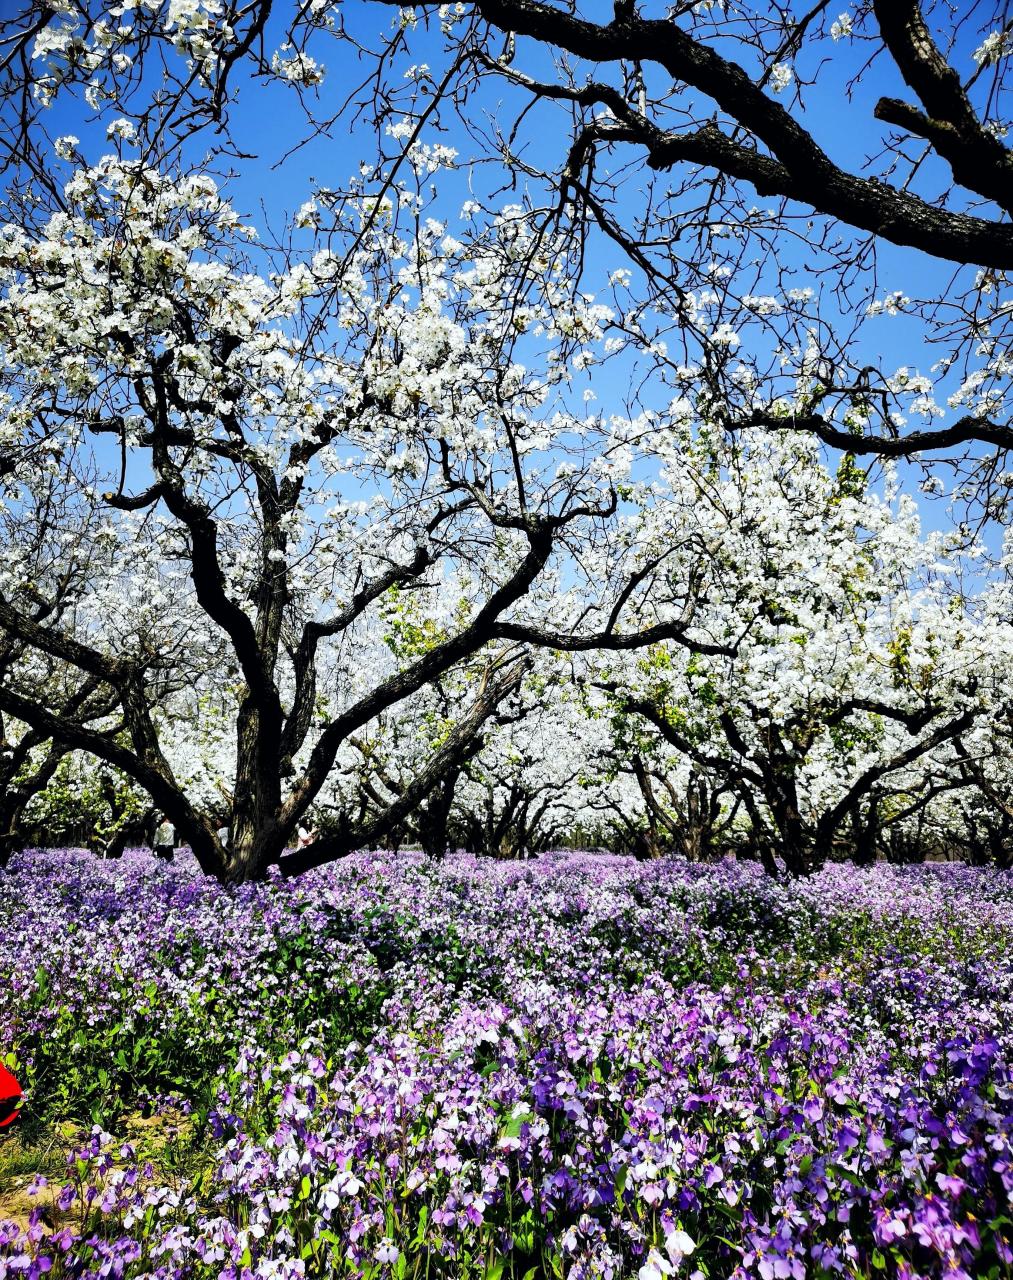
[[512, 1128], [420, 1234]]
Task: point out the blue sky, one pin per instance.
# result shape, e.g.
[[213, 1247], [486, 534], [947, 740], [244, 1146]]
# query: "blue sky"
[[272, 179], [267, 121]]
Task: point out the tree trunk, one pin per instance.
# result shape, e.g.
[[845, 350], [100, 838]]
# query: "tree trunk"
[[649, 846], [865, 834], [243, 862], [10, 844], [797, 846], [433, 820]]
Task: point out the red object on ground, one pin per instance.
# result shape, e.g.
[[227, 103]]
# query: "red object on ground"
[[10, 1096]]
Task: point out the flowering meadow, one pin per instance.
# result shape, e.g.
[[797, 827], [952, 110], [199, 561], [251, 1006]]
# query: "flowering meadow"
[[576, 1066]]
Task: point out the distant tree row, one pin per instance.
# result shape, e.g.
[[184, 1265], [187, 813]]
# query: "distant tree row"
[[840, 687]]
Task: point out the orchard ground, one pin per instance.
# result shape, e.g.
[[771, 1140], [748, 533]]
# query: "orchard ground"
[[578, 1066]]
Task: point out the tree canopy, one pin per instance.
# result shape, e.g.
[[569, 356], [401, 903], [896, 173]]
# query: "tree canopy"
[[545, 419]]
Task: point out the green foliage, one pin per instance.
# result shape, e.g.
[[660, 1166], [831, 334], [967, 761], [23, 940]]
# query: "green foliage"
[[80, 797], [408, 633], [851, 480], [864, 731], [899, 649]]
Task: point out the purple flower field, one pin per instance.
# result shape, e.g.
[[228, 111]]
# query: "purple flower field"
[[579, 1066]]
